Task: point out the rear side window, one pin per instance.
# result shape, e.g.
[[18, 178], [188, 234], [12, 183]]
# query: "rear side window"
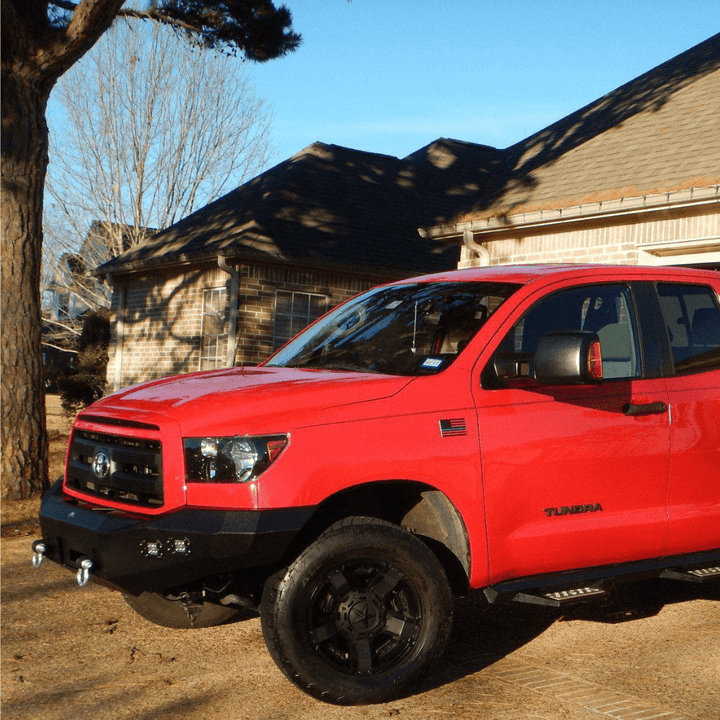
[[692, 319]]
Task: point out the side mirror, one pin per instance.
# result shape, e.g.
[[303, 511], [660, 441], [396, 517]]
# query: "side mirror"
[[568, 358]]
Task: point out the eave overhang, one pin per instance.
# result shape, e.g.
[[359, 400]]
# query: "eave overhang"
[[182, 263], [602, 209]]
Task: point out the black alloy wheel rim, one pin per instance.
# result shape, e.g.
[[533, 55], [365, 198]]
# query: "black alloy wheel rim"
[[363, 617]]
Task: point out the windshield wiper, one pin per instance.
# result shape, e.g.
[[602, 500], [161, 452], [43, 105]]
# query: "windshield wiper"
[[336, 365], [346, 366]]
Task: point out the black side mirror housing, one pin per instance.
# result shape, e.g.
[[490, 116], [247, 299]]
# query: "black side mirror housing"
[[568, 358]]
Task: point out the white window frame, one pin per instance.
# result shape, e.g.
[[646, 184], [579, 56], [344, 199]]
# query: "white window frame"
[[297, 321], [213, 346]]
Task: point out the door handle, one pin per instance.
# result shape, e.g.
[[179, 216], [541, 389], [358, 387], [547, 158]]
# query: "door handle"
[[651, 408]]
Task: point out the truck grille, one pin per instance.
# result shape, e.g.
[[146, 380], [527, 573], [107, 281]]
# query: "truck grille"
[[118, 468]]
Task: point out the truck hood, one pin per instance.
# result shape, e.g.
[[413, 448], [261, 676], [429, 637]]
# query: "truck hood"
[[213, 402]]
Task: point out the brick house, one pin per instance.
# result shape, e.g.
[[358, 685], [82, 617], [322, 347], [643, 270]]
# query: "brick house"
[[236, 279], [632, 178]]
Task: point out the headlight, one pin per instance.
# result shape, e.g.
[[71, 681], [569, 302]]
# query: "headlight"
[[230, 459]]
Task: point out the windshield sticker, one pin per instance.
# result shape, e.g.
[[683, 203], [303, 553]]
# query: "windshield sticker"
[[432, 363]]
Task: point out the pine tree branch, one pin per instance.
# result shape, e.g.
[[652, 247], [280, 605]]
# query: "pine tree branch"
[[258, 29], [58, 48], [157, 16]]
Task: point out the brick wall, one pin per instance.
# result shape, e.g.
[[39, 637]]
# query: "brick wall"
[[611, 240], [158, 332]]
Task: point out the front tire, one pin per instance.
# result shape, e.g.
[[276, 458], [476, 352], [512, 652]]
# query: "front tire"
[[360, 615]]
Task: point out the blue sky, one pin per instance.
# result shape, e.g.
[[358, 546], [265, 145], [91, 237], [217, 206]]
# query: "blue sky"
[[390, 76]]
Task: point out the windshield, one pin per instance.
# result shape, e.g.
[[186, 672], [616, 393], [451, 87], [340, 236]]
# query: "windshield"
[[412, 329]]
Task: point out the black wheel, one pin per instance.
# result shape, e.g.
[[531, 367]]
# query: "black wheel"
[[360, 615], [170, 613]]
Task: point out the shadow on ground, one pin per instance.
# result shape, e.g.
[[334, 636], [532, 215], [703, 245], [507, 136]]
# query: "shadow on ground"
[[484, 634]]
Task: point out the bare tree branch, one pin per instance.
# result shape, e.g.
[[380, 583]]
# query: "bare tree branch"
[[64, 326], [152, 131], [57, 347]]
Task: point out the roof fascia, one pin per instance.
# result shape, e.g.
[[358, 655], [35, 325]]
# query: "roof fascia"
[[208, 263], [590, 211]]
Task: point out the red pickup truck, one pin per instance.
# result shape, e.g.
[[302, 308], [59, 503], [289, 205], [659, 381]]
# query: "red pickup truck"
[[536, 433]]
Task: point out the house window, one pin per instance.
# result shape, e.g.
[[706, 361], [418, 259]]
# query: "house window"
[[293, 312], [213, 347]]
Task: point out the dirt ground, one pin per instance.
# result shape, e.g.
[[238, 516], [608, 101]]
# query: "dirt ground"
[[82, 654]]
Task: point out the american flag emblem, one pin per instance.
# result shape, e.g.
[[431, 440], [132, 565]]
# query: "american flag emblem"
[[455, 427]]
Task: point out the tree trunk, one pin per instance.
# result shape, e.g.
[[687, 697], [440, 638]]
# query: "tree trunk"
[[36, 51], [24, 164], [34, 56]]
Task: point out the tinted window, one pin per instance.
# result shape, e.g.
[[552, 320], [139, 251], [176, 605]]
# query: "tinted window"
[[413, 329], [692, 318], [602, 309]]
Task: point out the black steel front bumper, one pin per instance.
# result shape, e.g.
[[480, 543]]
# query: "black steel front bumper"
[[166, 551]]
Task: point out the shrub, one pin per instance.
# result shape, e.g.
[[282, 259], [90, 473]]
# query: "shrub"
[[85, 381]]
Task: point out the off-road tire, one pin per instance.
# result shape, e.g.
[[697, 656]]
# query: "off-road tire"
[[360, 615], [157, 609]]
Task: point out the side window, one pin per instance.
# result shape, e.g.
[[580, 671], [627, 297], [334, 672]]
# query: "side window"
[[602, 309], [692, 319]]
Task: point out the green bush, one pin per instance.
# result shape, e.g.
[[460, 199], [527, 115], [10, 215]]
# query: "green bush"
[[85, 380]]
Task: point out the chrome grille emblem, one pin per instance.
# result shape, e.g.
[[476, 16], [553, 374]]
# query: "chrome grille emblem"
[[101, 465]]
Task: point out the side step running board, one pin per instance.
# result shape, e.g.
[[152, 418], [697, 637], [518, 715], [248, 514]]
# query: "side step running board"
[[557, 590], [559, 598], [696, 575]]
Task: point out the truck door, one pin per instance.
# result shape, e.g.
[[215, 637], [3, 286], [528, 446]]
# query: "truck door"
[[692, 318], [573, 476]]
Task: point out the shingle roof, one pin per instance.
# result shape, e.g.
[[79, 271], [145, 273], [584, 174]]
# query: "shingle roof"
[[330, 205], [658, 133]]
